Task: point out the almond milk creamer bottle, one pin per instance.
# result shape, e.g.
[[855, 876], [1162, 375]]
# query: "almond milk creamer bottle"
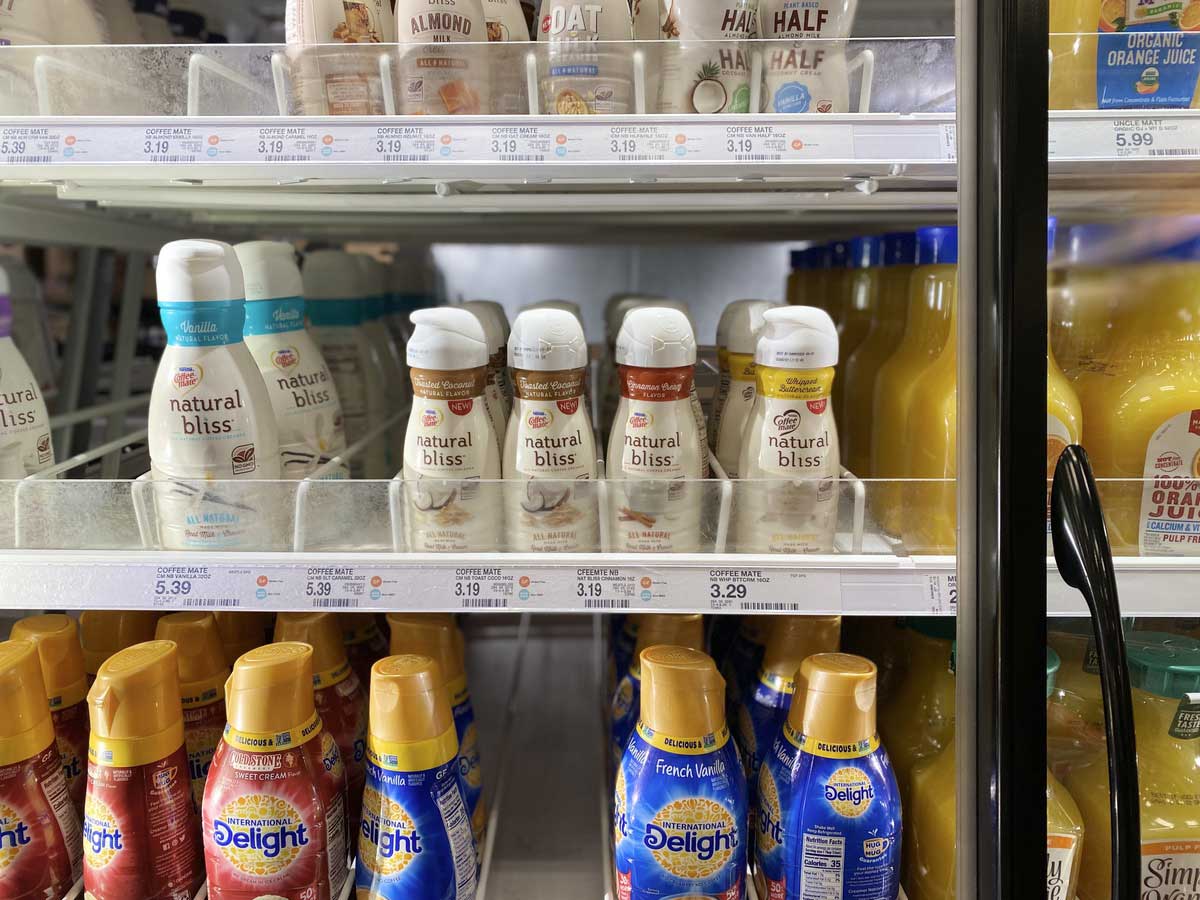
[[437, 76]]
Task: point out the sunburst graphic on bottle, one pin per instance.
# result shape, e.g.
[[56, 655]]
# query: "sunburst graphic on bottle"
[[692, 838], [468, 758], [102, 838], [849, 792], [769, 820], [388, 841], [14, 834], [260, 834], [620, 822]]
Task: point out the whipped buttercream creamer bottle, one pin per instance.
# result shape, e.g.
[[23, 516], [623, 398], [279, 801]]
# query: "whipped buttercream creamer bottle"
[[737, 337]]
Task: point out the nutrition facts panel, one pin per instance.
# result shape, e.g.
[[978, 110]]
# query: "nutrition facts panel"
[[821, 875]]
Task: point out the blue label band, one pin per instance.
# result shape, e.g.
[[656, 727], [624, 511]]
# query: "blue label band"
[[205, 324], [274, 316], [374, 308], [335, 312], [406, 303]]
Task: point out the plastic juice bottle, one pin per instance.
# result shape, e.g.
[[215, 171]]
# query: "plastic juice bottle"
[[284, 836], [386, 357], [365, 642], [241, 632], [415, 841], [1064, 415], [25, 444], [1084, 299], [1075, 714], [40, 841], [736, 342], [927, 328], [1165, 672], [842, 809], [861, 367], [796, 289], [139, 827], [864, 260], [1064, 822], [834, 286], [65, 679], [104, 632], [202, 673], [437, 636], [680, 799], [495, 398]]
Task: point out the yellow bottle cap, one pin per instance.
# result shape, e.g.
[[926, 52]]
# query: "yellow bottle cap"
[[322, 632], [412, 726], [103, 632], [270, 694], [683, 695], [674, 630], [839, 705], [243, 631], [792, 640], [57, 640], [136, 715], [25, 726], [435, 635], [202, 666]]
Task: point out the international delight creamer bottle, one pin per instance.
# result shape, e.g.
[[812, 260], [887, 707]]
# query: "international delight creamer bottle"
[[275, 804], [139, 827], [365, 642], [680, 800], [415, 842], [40, 850], [102, 632]]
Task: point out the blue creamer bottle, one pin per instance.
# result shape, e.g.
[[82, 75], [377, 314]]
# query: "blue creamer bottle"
[[841, 818], [415, 840], [681, 793]]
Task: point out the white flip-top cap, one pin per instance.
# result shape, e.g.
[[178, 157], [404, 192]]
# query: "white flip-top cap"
[[742, 320], [495, 323], [656, 337], [196, 271], [270, 270], [447, 338], [547, 340], [332, 275], [565, 305], [797, 337], [620, 304]]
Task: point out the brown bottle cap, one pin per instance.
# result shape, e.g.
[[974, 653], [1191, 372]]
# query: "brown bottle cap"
[[136, 714], [321, 631], [25, 726], [270, 690], [792, 640], [57, 640], [435, 635], [839, 702], [202, 666], [103, 632], [675, 630], [683, 695], [243, 631]]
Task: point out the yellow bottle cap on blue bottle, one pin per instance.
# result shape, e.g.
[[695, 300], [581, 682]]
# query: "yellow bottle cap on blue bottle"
[[683, 695]]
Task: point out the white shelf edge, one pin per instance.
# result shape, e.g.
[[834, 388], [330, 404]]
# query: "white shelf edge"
[[1147, 586]]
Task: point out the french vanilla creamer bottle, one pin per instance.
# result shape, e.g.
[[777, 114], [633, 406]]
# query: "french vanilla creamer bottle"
[[25, 445], [303, 394], [439, 76], [790, 452], [585, 77], [802, 75], [705, 62], [495, 397], [737, 338], [450, 445], [332, 80], [550, 444], [655, 447], [211, 417]]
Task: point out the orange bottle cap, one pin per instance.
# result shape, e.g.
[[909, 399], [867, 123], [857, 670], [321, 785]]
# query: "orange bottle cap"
[[202, 666], [270, 691], [792, 640], [136, 714], [683, 695], [103, 632], [321, 631], [839, 702], [57, 640], [25, 726], [435, 635]]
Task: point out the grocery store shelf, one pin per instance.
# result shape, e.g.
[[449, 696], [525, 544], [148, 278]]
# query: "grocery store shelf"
[[1147, 586]]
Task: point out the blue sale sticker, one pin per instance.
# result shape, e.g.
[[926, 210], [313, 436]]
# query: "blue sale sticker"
[[1147, 54]]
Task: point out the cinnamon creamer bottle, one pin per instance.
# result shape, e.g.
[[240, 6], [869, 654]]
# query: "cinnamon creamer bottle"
[[336, 80]]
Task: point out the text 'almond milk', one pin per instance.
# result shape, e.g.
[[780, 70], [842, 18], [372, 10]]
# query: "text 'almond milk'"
[[332, 80], [550, 448], [802, 75], [445, 72]]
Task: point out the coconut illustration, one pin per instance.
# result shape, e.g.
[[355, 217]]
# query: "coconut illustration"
[[708, 95]]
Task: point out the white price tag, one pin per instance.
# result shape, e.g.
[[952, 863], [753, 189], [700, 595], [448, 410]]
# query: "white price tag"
[[292, 144], [346, 587], [205, 587], [608, 588], [757, 143], [639, 143], [483, 588], [405, 143], [941, 593], [32, 146], [521, 143]]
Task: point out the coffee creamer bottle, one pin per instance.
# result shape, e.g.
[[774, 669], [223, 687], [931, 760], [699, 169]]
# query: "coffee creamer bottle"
[[102, 633], [39, 829], [802, 75], [584, 76], [506, 23], [450, 446], [30, 327], [655, 446], [25, 444], [210, 414], [499, 357], [550, 444], [241, 632], [285, 836], [705, 62], [680, 794], [338, 81], [386, 357], [415, 841], [365, 643], [736, 343], [151, 18], [202, 674], [790, 452], [139, 827], [495, 398], [65, 678], [438, 75], [340, 698]]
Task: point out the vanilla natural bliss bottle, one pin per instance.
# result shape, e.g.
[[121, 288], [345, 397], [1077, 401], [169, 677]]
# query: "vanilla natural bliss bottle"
[[303, 394], [550, 444], [25, 445], [742, 321], [450, 445], [790, 453], [332, 80], [705, 62], [210, 414], [438, 75], [495, 397]]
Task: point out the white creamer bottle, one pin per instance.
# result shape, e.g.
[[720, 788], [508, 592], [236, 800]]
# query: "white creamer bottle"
[[705, 62], [550, 447], [790, 451], [655, 448], [335, 314], [303, 394], [439, 76], [802, 75], [30, 329], [122, 24], [505, 22], [210, 415], [332, 80], [450, 445], [582, 76], [25, 445], [412, 285], [495, 332], [385, 353], [737, 335]]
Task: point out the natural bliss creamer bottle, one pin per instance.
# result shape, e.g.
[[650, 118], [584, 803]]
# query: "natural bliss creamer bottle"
[[681, 795], [495, 396], [584, 74], [275, 804], [210, 414], [803, 75], [25, 445], [40, 844], [550, 444], [139, 827], [655, 447], [737, 339], [450, 445], [332, 80], [438, 75], [308, 412], [415, 842], [705, 65], [790, 451]]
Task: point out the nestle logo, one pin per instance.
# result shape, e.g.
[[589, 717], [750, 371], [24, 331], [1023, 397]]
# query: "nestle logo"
[[431, 418], [285, 358], [787, 422], [640, 420], [1168, 462]]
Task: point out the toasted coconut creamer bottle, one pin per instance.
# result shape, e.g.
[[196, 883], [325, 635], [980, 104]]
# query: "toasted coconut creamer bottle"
[[30, 327], [40, 841], [655, 446], [583, 79], [303, 394], [550, 443], [737, 338], [705, 64], [25, 444], [450, 445], [210, 414], [437, 77], [139, 827], [790, 452], [681, 794], [495, 396], [803, 75], [338, 81], [415, 841], [275, 803]]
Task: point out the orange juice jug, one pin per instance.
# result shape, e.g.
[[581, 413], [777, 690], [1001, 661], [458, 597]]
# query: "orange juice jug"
[[862, 366], [1063, 412], [864, 266], [927, 326], [835, 287], [1075, 714], [1083, 300]]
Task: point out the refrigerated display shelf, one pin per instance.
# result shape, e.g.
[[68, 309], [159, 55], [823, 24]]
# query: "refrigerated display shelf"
[[1147, 586]]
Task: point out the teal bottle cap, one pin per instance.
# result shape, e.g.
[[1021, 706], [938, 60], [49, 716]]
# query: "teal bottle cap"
[[1167, 665]]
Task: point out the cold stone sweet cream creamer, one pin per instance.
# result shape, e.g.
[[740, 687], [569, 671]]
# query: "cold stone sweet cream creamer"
[[415, 842], [338, 81], [737, 338], [790, 452], [450, 446], [495, 396], [655, 446], [705, 64], [275, 804], [25, 444], [803, 75], [385, 352], [550, 445], [681, 794], [40, 843], [139, 827], [438, 74], [303, 395], [583, 76]]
